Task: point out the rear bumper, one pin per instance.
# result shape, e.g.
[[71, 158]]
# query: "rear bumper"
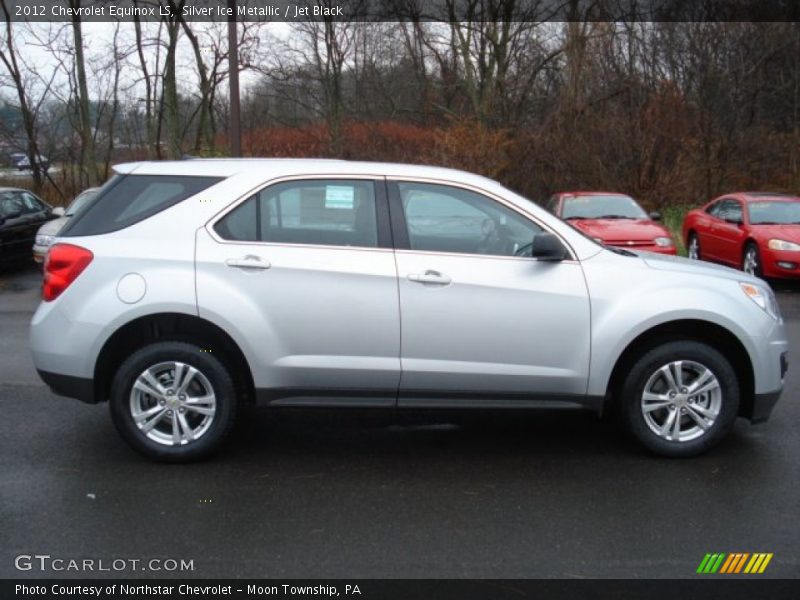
[[67, 385]]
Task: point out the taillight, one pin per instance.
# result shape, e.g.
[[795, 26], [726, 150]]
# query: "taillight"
[[63, 264]]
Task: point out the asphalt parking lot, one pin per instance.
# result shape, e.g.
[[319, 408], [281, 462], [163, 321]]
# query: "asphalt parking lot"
[[323, 495]]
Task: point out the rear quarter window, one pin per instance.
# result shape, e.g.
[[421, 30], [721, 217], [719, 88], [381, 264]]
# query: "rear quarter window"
[[129, 199]]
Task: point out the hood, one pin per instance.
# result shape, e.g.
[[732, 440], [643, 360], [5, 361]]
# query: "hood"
[[620, 231], [53, 226], [790, 233], [665, 262]]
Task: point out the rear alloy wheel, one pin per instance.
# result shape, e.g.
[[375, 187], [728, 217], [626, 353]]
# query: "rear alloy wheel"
[[172, 402], [751, 262], [693, 249], [681, 398]]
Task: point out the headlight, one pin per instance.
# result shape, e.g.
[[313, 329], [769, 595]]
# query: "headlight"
[[664, 242], [45, 240], [783, 245], [764, 297]]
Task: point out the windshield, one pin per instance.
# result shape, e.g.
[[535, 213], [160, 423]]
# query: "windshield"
[[601, 207], [770, 213], [80, 200]]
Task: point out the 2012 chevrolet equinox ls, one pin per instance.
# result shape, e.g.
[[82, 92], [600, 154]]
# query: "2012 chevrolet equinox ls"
[[184, 289]]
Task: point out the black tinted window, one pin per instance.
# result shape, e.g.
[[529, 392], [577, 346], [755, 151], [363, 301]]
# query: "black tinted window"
[[128, 199], [327, 212]]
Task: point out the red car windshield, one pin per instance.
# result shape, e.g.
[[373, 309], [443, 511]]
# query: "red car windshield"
[[601, 207], [774, 213]]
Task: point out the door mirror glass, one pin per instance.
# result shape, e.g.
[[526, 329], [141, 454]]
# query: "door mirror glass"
[[547, 247], [655, 216]]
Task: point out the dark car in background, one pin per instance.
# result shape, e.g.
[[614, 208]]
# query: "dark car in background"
[[21, 215]]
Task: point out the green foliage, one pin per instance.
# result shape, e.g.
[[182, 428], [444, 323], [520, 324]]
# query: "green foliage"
[[672, 217]]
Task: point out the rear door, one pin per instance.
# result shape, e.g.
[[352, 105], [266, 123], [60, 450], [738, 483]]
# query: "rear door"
[[304, 271], [482, 322]]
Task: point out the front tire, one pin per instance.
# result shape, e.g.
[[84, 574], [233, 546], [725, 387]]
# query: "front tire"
[[173, 401], [751, 261], [680, 399]]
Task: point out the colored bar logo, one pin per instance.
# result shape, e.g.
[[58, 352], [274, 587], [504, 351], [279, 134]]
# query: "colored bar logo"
[[733, 563]]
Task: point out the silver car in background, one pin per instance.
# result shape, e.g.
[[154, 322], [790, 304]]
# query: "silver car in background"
[[186, 289], [47, 232]]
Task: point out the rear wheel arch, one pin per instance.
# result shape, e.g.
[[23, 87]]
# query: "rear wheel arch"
[[159, 327], [695, 330]]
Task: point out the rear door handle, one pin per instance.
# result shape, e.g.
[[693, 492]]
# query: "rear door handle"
[[249, 262], [430, 276]]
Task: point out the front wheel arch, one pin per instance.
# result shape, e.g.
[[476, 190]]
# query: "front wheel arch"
[[716, 336]]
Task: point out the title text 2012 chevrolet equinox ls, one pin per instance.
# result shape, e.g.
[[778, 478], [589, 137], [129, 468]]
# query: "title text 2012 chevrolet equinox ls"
[[184, 289]]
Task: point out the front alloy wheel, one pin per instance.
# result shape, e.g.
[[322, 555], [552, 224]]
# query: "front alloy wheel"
[[751, 263], [173, 401], [680, 398], [681, 401]]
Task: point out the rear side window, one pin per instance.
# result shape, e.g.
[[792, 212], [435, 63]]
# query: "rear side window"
[[333, 212], [128, 199]]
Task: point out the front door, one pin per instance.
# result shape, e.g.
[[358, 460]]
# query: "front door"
[[481, 321]]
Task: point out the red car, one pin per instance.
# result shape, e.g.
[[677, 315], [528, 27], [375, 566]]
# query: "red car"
[[757, 232], [613, 219]]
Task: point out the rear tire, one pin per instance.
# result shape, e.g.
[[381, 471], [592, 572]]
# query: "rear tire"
[[173, 401], [680, 399], [693, 247]]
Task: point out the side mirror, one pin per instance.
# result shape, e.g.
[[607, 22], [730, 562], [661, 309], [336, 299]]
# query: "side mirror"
[[58, 211], [547, 247], [655, 215]]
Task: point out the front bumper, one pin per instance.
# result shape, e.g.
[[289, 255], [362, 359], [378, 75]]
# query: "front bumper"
[[763, 403], [780, 263], [39, 252]]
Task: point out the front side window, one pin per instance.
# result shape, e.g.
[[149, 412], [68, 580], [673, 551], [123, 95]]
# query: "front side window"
[[442, 218], [730, 210], [318, 212]]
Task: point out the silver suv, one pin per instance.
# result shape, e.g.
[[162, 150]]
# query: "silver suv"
[[186, 289]]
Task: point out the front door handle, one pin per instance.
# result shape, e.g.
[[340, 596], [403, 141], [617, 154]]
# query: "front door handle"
[[249, 262], [430, 276]]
